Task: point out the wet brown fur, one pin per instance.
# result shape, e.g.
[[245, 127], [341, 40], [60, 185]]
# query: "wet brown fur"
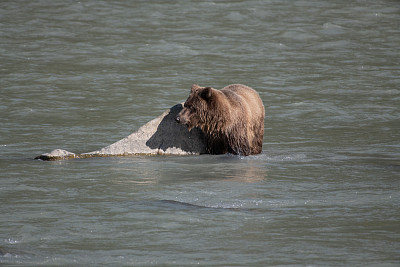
[[232, 118]]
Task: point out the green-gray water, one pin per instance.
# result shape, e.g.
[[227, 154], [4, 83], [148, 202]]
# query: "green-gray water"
[[82, 75]]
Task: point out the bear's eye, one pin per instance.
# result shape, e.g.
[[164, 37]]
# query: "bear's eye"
[[190, 107]]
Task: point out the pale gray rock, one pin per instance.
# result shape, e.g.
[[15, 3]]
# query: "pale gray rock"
[[57, 154], [160, 136]]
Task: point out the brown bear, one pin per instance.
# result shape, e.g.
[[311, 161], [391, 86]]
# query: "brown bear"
[[231, 118]]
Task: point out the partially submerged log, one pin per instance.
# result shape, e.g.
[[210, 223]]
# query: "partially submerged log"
[[160, 136]]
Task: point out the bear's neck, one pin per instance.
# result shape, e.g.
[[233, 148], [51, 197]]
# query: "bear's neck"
[[219, 115]]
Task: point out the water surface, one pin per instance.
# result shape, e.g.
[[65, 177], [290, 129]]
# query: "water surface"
[[82, 75]]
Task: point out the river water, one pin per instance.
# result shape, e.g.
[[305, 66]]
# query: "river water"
[[82, 75]]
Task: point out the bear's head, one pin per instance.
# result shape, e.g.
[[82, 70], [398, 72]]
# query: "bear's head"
[[196, 108]]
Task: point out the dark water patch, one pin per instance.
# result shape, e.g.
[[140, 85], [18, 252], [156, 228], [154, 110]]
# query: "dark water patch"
[[179, 205]]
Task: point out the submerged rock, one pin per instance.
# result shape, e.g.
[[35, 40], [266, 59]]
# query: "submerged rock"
[[160, 136], [57, 154]]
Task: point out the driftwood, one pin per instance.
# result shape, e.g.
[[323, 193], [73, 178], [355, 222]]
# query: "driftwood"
[[160, 136]]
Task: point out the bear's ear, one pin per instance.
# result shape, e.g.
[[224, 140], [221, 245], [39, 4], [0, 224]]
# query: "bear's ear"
[[194, 87], [206, 93]]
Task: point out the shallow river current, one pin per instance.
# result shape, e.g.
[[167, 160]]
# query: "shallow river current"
[[80, 75]]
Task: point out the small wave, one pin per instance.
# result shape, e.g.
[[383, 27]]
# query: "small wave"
[[11, 241], [186, 205], [278, 158]]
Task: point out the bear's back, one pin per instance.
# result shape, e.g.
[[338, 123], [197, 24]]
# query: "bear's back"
[[250, 97]]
